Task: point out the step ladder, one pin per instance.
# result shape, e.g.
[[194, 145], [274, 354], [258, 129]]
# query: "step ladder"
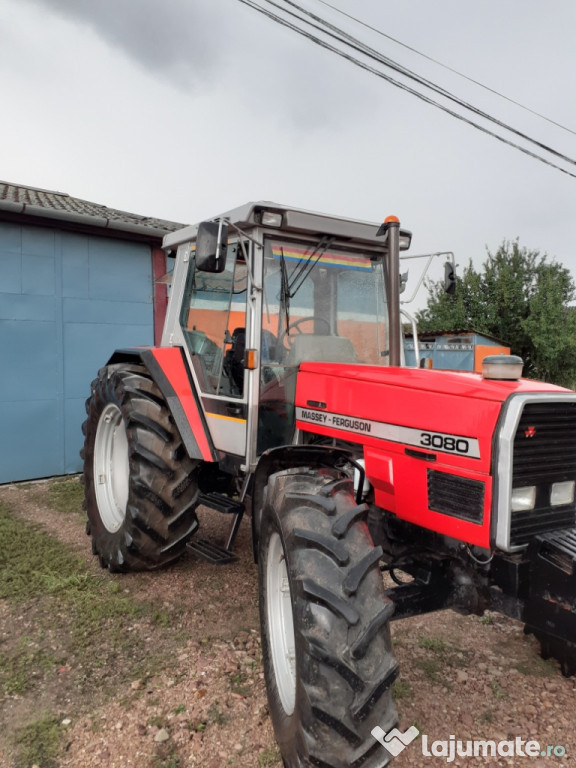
[[203, 549]]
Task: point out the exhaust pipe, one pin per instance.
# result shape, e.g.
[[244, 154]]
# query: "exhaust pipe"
[[391, 230]]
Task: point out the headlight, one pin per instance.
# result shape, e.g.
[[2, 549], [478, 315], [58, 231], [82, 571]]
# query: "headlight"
[[562, 493], [524, 498]]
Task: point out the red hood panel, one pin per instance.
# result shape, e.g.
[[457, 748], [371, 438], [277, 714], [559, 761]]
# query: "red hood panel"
[[446, 382], [413, 424]]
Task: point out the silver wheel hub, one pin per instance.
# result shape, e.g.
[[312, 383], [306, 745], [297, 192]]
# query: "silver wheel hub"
[[281, 624], [111, 467]]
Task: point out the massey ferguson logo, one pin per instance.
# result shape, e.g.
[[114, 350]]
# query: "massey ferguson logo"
[[530, 432]]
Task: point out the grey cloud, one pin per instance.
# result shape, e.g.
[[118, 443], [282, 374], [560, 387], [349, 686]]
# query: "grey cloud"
[[224, 46], [207, 43], [173, 37]]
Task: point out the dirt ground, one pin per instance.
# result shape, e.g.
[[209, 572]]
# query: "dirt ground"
[[173, 679]]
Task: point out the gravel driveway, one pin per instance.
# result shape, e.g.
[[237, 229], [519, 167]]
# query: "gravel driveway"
[[173, 679]]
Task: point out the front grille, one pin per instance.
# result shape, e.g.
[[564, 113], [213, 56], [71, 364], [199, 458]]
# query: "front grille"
[[544, 453], [456, 496], [545, 444]]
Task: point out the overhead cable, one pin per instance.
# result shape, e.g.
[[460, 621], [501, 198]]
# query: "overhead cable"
[[352, 42], [357, 62], [445, 66]]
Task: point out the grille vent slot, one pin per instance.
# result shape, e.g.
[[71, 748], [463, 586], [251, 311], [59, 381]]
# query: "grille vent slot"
[[456, 496]]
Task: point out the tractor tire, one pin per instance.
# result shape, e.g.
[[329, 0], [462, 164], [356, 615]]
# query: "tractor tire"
[[325, 624], [140, 485]]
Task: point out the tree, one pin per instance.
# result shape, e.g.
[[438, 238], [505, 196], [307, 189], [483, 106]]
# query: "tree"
[[520, 297]]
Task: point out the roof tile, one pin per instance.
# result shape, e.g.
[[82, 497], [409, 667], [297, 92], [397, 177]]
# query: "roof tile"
[[33, 200]]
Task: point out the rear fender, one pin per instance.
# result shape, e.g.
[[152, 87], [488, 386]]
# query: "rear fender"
[[168, 368], [285, 457]]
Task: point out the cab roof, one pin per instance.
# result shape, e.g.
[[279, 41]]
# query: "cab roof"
[[293, 220]]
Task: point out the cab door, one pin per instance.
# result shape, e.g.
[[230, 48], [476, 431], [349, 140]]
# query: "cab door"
[[213, 322]]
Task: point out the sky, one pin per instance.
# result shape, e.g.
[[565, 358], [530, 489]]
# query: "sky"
[[183, 109]]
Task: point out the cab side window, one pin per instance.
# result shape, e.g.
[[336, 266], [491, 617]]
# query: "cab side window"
[[213, 320]]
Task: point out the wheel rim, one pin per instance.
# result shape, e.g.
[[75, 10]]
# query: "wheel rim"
[[281, 624], [111, 467]]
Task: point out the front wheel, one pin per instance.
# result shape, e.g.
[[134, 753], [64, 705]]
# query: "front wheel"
[[141, 489], [324, 620]]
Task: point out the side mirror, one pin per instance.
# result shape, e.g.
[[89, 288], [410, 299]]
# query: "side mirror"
[[211, 246], [403, 281], [449, 278]]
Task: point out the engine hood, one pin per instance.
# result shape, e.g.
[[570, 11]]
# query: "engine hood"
[[455, 383]]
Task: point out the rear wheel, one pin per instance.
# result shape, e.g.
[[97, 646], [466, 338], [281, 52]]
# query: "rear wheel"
[[140, 485], [324, 621]]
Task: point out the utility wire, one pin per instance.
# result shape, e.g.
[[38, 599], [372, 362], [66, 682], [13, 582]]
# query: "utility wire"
[[445, 66], [360, 47], [343, 37]]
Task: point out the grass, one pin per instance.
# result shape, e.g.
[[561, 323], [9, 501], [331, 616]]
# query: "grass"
[[66, 495], [436, 645], [38, 743], [401, 689], [537, 667], [17, 670], [439, 648], [40, 570], [240, 684], [171, 761], [37, 565], [497, 691], [34, 564], [157, 720], [216, 714], [161, 618], [440, 655], [431, 668], [269, 757]]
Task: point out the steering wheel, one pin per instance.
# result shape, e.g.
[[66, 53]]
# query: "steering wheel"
[[284, 338]]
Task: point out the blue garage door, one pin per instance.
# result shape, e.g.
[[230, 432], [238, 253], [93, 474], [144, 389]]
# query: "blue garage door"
[[66, 302]]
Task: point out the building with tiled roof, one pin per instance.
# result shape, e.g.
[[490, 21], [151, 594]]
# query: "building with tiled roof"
[[33, 203], [77, 280]]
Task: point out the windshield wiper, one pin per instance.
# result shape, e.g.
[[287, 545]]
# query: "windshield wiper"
[[301, 273], [285, 289], [289, 289]]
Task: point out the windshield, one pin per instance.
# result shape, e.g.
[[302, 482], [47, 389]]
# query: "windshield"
[[323, 303]]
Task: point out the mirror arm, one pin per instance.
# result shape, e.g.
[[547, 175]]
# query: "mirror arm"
[[251, 279], [422, 276], [412, 321], [219, 240], [430, 256], [257, 243]]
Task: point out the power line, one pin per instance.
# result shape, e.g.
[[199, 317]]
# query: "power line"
[[344, 37], [445, 66], [360, 47]]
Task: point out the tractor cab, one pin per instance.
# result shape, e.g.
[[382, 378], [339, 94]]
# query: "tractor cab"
[[261, 290]]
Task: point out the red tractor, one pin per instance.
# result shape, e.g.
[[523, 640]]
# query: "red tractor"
[[279, 389]]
